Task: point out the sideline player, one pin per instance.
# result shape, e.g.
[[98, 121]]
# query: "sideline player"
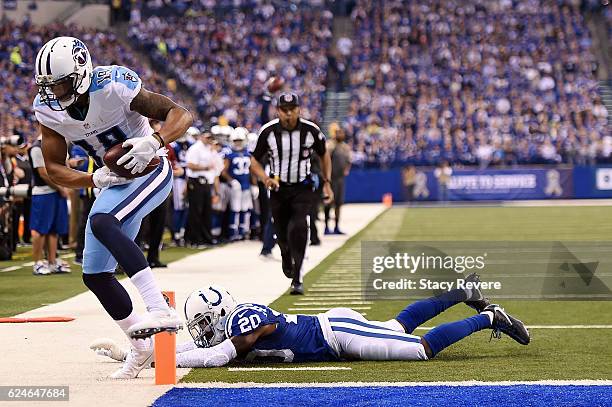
[[237, 172], [223, 331], [97, 109]]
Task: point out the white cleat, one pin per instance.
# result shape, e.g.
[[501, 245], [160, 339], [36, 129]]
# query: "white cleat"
[[135, 361], [155, 322], [41, 268]]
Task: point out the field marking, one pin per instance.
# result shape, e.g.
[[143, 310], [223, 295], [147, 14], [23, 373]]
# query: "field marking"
[[303, 368], [401, 384], [426, 328], [12, 268], [329, 290], [324, 308], [300, 304]]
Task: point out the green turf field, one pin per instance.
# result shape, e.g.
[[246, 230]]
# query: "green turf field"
[[552, 354]]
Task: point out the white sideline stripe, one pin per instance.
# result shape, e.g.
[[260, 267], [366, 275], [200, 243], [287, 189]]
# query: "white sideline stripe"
[[323, 308], [548, 327], [258, 369], [399, 384], [12, 268]]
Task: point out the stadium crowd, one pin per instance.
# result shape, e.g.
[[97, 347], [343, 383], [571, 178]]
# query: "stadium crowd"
[[474, 82], [225, 59]]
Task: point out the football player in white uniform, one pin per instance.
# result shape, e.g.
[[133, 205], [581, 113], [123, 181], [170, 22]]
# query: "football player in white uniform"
[[97, 109], [223, 330]]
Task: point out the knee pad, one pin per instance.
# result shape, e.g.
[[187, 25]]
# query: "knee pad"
[[103, 223], [98, 281], [111, 294]]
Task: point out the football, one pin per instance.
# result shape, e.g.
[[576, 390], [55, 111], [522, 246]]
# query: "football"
[[275, 83], [116, 152]]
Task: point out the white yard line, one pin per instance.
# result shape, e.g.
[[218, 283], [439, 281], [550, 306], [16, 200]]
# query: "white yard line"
[[303, 368], [548, 327], [12, 268], [399, 384], [59, 354]]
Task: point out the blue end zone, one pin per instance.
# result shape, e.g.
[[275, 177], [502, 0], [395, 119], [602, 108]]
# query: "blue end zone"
[[515, 395]]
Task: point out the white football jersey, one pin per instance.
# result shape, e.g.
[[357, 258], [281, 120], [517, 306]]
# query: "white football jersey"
[[109, 120]]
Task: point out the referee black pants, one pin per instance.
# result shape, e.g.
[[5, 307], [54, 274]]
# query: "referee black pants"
[[290, 207], [199, 217]]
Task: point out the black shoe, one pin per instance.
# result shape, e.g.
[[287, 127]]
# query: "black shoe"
[[315, 242], [297, 289], [156, 264], [477, 300], [288, 268], [506, 323]]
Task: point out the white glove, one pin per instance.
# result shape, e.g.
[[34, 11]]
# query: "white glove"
[[236, 185], [108, 347], [104, 177], [140, 155], [254, 191]]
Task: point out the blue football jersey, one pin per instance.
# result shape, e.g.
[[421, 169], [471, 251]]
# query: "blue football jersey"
[[240, 167], [297, 338]]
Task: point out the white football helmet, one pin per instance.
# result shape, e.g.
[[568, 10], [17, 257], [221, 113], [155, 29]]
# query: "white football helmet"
[[64, 63], [206, 310], [238, 138], [189, 135], [222, 133]]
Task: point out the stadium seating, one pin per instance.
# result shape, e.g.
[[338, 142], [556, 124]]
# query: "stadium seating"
[[474, 82], [225, 58]]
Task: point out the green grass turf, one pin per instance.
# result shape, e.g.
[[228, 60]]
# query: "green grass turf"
[[21, 291], [553, 354]]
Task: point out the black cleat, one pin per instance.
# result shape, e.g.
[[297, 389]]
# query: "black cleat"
[[297, 289], [477, 300], [506, 323], [288, 268]]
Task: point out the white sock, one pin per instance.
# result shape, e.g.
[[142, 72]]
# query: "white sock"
[[124, 324], [149, 290]]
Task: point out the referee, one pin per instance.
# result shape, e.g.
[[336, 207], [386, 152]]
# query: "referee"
[[289, 142]]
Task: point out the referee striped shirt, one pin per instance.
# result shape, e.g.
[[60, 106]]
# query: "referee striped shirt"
[[289, 152]]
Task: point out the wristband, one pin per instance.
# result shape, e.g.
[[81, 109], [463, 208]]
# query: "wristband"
[[159, 138]]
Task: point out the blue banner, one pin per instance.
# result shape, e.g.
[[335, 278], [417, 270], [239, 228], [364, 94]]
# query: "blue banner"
[[464, 185], [508, 184], [593, 182]]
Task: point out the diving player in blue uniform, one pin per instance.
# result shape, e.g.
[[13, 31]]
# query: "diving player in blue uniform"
[[223, 331], [237, 172], [97, 109]]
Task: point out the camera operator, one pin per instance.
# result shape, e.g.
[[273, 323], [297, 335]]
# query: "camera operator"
[[9, 176]]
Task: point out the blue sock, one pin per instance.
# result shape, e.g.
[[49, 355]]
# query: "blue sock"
[[446, 334], [424, 310]]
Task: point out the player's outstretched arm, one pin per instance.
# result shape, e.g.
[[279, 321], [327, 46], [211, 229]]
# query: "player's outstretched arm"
[[223, 353], [176, 118]]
